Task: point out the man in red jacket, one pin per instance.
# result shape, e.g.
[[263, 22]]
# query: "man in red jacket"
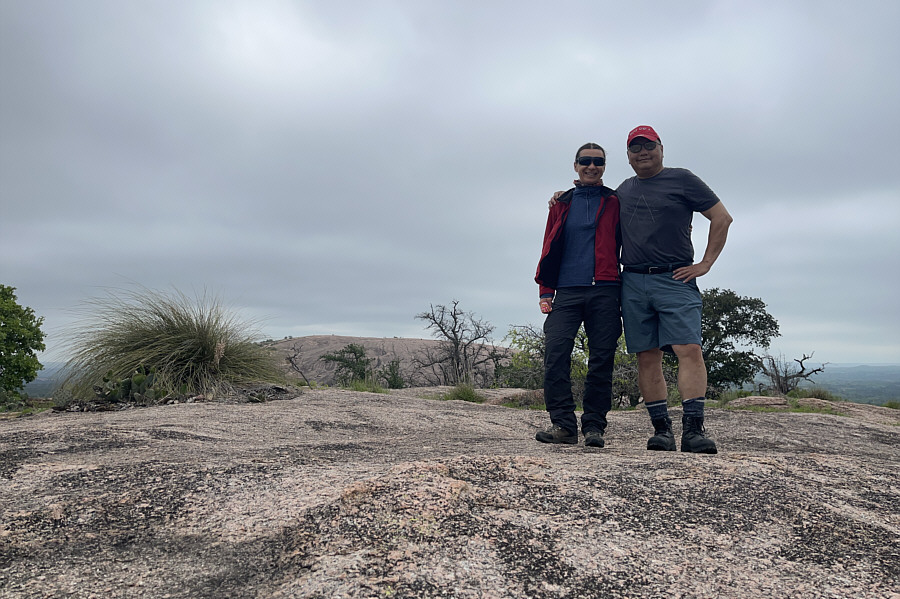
[[578, 274]]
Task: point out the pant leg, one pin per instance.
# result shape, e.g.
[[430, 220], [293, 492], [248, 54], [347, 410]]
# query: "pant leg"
[[603, 325], [560, 329]]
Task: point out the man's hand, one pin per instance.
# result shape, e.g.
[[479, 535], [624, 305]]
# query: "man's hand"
[[555, 197], [688, 273], [546, 305], [719, 221]]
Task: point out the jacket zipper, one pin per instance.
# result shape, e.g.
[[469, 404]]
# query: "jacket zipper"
[[596, 226]]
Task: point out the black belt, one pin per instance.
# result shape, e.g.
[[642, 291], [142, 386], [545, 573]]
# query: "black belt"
[[654, 270]]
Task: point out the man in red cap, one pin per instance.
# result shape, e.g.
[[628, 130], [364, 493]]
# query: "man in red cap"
[[661, 304]]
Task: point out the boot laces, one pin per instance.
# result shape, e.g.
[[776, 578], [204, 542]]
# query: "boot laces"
[[696, 426], [661, 427]]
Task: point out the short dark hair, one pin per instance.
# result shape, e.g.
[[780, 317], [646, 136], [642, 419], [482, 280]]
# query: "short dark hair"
[[589, 146]]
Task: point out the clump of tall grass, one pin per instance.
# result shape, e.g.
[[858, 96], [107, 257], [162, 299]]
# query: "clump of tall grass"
[[195, 346], [464, 392], [814, 392], [369, 386], [725, 397], [528, 400]]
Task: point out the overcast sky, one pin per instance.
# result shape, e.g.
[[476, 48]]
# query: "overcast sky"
[[336, 167]]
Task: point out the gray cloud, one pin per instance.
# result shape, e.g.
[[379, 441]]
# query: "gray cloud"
[[335, 168]]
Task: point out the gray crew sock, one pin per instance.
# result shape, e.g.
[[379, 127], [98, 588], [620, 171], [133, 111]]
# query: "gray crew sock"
[[657, 409], [693, 408]]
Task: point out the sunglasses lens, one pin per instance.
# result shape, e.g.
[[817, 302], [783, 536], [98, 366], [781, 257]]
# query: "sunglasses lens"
[[647, 145], [597, 160]]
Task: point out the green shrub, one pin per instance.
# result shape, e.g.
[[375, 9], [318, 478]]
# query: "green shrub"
[[815, 392], [893, 405], [392, 375], [21, 338], [795, 406], [464, 392], [351, 364], [184, 346], [20, 404], [529, 400], [11, 401], [369, 386], [731, 394]]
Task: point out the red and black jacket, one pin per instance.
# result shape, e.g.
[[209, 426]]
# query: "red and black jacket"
[[607, 241]]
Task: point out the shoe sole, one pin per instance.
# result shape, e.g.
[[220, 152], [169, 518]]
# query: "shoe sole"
[[600, 443], [564, 441], [707, 450], [655, 447]]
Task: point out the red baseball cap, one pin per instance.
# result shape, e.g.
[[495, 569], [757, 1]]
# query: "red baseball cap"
[[643, 131]]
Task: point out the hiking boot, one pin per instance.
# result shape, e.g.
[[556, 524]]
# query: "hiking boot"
[[557, 434], [693, 436], [663, 439], [594, 439]]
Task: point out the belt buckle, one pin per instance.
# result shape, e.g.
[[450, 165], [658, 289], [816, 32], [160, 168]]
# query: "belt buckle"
[[652, 270]]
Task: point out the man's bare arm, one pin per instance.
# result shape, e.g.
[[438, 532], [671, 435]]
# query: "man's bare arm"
[[719, 221]]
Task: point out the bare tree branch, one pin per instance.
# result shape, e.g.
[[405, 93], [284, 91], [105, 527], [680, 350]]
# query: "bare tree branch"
[[293, 361], [466, 349], [784, 376]]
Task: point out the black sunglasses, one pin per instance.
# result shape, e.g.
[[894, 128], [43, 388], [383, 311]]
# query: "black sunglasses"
[[597, 160], [647, 145]]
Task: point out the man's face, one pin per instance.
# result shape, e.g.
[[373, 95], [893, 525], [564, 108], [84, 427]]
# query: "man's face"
[[646, 163], [590, 174]]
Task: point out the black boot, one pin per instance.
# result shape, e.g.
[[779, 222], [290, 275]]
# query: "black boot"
[[662, 439], [593, 436], [693, 436]]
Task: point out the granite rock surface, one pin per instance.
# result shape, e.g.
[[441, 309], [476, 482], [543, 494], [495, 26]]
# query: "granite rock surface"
[[344, 494]]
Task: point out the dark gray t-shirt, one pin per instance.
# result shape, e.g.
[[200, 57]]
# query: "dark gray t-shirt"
[[655, 215]]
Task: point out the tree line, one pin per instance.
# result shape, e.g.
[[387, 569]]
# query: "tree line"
[[737, 333]]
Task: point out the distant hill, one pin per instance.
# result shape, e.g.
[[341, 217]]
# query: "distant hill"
[[308, 351], [862, 383], [46, 381]]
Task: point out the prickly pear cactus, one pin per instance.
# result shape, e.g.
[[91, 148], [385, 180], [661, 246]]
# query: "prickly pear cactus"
[[137, 388]]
